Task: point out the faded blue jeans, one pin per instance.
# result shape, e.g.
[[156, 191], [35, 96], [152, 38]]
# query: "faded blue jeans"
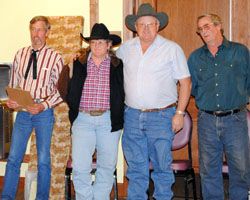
[[24, 123], [148, 136], [227, 134], [90, 133]]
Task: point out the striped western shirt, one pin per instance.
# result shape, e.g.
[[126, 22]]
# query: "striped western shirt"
[[96, 90], [49, 66]]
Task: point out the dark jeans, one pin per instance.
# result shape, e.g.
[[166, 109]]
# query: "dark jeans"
[[227, 134]]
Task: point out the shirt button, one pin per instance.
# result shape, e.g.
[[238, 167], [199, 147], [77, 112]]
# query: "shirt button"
[[215, 74], [215, 64], [216, 84], [217, 95], [218, 105]]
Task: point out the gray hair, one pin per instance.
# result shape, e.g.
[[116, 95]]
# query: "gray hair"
[[216, 20], [40, 18]]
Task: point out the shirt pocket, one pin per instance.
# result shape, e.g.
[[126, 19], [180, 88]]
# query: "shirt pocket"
[[204, 74], [236, 69]]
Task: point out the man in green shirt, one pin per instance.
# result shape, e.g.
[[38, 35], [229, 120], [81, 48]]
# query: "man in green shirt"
[[220, 73]]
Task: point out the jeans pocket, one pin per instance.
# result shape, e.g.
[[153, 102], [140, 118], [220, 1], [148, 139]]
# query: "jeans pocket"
[[201, 114], [240, 116], [126, 109], [167, 113]]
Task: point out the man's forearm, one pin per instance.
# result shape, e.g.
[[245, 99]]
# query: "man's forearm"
[[184, 94]]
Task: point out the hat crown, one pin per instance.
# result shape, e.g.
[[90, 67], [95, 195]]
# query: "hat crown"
[[145, 10], [99, 31]]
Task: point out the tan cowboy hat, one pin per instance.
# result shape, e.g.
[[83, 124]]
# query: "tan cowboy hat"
[[100, 31], [146, 10]]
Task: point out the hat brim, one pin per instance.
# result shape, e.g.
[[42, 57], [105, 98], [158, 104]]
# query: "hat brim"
[[116, 40], [131, 19]]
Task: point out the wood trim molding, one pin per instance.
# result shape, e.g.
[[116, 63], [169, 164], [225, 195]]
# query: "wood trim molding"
[[152, 2], [94, 12], [128, 7]]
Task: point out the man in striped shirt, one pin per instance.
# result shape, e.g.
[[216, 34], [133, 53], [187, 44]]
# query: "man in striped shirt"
[[36, 69]]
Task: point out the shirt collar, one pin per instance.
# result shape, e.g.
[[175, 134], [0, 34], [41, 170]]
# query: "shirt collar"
[[225, 44], [157, 41], [107, 58], [40, 49]]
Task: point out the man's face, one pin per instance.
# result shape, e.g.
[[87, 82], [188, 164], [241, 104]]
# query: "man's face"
[[207, 30], [38, 34], [147, 28]]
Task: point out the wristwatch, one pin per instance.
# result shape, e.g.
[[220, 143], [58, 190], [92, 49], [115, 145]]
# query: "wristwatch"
[[179, 112]]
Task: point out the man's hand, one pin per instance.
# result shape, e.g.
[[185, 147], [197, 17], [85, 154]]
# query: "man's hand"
[[74, 57], [12, 104], [177, 122], [35, 108]]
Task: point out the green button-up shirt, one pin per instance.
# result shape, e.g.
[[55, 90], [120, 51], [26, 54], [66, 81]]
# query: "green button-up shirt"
[[221, 82]]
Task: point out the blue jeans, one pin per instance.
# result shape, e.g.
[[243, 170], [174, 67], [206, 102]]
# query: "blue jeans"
[[24, 123], [148, 136], [90, 133], [227, 134]]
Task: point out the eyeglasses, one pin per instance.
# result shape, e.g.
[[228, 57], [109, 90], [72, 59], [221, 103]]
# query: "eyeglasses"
[[206, 27], [149, 25]]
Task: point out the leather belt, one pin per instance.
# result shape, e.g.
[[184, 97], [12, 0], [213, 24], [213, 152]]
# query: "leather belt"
[[222, 113], [94, 112], [158, 109]]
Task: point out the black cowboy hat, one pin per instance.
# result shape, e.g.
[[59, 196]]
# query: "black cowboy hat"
[[146, 10], [100, 31]]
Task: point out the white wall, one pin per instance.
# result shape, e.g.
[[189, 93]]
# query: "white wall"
[[14, 26], [15, 16]]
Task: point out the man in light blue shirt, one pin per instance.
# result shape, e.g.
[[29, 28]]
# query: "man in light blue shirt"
[[153, 66]]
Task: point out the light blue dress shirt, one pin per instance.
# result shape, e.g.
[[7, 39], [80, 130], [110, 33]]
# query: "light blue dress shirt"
[[151, 77]]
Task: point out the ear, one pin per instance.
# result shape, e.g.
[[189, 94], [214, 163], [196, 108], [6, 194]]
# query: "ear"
[[109, 45], [158, 25], [136, 26], [47, 32]]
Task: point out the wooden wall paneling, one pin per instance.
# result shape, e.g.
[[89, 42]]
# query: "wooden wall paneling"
[[241, 21], [214, 6], [182, 19], [152, 2], [94, 12], [128, 7]]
